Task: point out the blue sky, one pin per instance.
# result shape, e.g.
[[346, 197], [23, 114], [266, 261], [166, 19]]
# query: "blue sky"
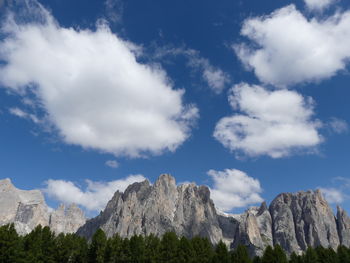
[[247, 97]]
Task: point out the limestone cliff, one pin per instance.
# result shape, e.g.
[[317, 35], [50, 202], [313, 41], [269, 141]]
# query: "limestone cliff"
[[27, 209], [144, 209], [293, 220]]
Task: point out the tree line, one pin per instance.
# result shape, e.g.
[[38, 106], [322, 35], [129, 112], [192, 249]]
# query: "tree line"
[[43, 246]]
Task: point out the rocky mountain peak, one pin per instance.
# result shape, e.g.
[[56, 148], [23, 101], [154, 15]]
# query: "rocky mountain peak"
[[303, 219], [27, 209], [343, 224], [6, 185], [158, 208], [293, 220]]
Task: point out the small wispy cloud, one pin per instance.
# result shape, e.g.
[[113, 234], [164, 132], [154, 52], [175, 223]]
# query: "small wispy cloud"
[[214, 77], [338, 191], [338, 126], [24, 115], [333, 195], [114, 10], [112, 163]]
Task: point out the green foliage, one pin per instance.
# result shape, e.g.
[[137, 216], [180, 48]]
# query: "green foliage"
[[153, 246], [256, 259], [97, 248], [185, 251], [71, 248], [113, 249], [280, 255], [221, 253], [240, 255], [343, 254], [11, 249], [310, 256], [326, 255], [39, 246], [203, 250], [42, 246], [269, 255], [294, 258], [169, 248], [137, 249]]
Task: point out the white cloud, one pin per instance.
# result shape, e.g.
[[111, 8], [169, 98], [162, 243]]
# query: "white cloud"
[[338, 126], [112, 163], [93, 89], [333, 195], [94, 197], [216, 79], [24, 115], [233, 188], [287, 48], [273, 123], [318, 5], [114, 10]]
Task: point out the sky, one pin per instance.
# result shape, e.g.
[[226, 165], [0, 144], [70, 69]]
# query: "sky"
[[247, 97]]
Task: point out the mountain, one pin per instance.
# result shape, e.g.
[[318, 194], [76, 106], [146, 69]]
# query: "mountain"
[[144, 209], [293, 220], [27, 209]]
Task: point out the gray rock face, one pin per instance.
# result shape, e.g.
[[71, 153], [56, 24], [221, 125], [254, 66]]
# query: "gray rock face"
[[145, 209], [343, 222], [67, 220], [303, 219], [254, 230], [294, 221], [27, 209]]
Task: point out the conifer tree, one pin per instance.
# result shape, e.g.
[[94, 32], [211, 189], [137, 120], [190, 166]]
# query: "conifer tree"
[[294, 258], [280, 255], [256, 259], [125, 256], [97, 247], [310, 256], [325, 255], [39, 245], [113, 249], [221, 253], [203, 250], [10, 245], [240, 255], [185, 251], [169, 248], [343, 254], [152, 244], [70, 248], [269, 255], [137, 249]]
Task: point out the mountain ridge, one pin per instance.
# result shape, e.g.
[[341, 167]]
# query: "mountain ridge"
[[292, 220], [27, 208]]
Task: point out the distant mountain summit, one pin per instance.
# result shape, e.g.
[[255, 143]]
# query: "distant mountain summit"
[[27, 209], [144, 209], [293, 220]]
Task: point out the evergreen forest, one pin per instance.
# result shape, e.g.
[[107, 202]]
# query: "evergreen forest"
[[43, 246]]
